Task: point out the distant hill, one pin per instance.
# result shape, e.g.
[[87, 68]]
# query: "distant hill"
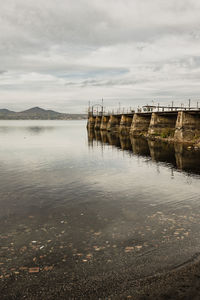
[[6, 111], [37, 113]]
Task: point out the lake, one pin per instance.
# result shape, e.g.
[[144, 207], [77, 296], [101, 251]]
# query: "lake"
[[93, 211]]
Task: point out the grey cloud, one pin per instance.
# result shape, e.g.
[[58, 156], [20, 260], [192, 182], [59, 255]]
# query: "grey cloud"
[[113, 82], [57, 52], [33, 25]]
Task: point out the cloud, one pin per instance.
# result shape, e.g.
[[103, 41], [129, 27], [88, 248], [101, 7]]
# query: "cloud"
[[61, 54]]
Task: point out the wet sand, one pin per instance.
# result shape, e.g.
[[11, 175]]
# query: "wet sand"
[[68, 255], [177, 284]]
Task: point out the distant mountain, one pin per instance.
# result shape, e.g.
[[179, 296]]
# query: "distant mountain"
[[34, 110], [6, 111], [37, 113]]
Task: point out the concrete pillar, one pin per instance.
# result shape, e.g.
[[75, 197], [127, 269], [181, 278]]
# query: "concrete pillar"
[[114, 122], [91, 122], [187, 126], [97, 123], [104, 122], [162, 124], [140, 124], [125, 124]]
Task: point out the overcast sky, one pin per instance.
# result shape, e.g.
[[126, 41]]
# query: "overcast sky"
[[60, 54]]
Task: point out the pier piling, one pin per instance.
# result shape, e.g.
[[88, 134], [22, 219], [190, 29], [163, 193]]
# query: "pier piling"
[[176, 124]]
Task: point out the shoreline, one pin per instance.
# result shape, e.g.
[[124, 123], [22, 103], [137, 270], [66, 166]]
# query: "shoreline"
[[180, 283]]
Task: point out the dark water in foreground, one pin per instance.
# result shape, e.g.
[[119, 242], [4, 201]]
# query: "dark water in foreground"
[[88, 206]]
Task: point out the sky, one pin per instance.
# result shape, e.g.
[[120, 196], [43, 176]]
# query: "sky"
[[60, 54]]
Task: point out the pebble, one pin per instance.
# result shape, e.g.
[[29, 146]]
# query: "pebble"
[[34, 270]]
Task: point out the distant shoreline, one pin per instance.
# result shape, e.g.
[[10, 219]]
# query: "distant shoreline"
[[40, 119], [37, 113]]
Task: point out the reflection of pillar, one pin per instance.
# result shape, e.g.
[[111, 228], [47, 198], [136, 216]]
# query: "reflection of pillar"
[[125, 142], [186, 158], [91, 136], [140, 124], [104, 136], [178, 154], [140, 146], [162, 124], [97, 123], [187, 126], [113, 139], [104, 122], [97, 135], [161, 151], [125, 124], [114, 122]]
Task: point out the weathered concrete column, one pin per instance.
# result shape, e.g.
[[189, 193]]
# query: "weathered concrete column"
[[91, 122], [114, 122], [104, 122], [140, 124], [97, 122], [187, 126], [163, 124], [125, 124]]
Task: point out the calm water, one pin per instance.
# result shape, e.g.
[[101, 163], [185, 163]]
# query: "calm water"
[[92, 204]]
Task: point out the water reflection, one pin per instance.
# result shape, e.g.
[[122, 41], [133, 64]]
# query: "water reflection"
[[140, 146], [36, 130], [92, 217], [162, 152], [177, 155]]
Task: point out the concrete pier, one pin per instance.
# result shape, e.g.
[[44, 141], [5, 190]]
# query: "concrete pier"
[[163, 124], [97, 124], [125, 124], [187, 126], [140, 124], [104, 122], [114, 123], [91, 122], [173, 125]]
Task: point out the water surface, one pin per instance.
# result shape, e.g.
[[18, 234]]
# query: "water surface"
[[93, 205]]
